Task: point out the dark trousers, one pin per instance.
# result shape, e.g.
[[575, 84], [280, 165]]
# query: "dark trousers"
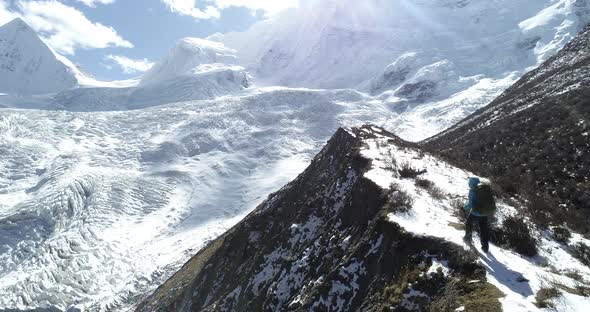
[[484, 230]]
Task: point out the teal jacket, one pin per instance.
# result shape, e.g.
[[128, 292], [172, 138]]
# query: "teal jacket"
[[473, 183]]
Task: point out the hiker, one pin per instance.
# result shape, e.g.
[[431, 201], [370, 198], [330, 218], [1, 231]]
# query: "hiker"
[[479, 207]]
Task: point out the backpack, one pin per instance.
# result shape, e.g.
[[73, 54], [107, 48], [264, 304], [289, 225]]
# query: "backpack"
[[484, 202]]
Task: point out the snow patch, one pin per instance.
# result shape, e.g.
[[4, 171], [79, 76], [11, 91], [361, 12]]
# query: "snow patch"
[[342, 292], [303, 233]]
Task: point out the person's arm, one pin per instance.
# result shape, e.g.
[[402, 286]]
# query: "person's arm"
[[469, 205]]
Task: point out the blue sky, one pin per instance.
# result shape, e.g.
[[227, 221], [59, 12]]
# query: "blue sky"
[[119, 39], [153, 29]]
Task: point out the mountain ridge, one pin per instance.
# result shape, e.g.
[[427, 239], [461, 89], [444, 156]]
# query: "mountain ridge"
[[28, 65], [345, 236], [354, 208]]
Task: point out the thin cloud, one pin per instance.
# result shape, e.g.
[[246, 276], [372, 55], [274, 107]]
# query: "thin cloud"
[[188, 8], [6, 15], [93, 3], [270, 7], [66, 29], [214, 7], [130, 66]]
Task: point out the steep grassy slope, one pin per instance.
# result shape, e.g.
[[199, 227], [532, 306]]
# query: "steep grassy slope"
[[534, 139]]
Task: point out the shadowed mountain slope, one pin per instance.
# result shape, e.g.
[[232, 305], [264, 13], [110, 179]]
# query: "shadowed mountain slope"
[[534, 138]]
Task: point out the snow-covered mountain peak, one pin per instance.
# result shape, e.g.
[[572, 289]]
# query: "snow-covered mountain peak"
[[343, 44], [203, 45], [19, 24], [27, 64], [187, 58]]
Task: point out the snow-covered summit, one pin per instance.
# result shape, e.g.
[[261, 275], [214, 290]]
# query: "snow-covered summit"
[[195, 69], [28, 65], [343, 44], [191, 56]]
